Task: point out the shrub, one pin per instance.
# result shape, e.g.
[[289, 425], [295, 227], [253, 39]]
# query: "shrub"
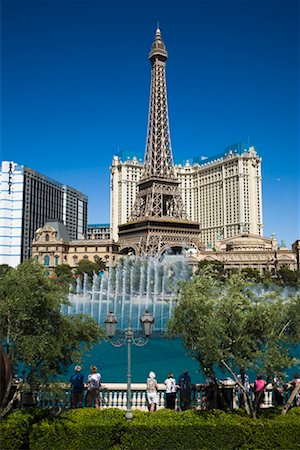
[[15, 428], [79, 429], [90, 428], [211, 430]]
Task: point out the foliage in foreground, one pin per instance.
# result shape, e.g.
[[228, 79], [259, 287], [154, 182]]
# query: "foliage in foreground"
[[283, 277], [107, 429], [32, 326], [222, 320]]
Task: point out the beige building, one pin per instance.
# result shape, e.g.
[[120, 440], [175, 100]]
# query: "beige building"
[[124, 177], [52, 246], [222, 193], [249, 251]]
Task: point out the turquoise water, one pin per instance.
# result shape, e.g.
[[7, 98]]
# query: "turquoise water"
[[161, 355]]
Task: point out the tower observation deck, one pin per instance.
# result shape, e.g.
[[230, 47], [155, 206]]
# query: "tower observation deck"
[[158, 220]]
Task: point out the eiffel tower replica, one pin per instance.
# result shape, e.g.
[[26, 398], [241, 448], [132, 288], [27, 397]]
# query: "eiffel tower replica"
[[158, 220]]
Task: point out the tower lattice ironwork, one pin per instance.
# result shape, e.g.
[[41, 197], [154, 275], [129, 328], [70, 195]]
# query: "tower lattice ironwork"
[[158, 219]]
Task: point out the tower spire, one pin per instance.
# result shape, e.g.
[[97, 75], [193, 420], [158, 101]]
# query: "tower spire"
[[158, 219], [159, 195], [158, 153]]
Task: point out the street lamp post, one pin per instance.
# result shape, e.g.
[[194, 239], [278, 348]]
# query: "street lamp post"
[[147, 321]]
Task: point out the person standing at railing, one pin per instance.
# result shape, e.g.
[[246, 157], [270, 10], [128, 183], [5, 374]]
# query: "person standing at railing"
[[171, 389], [244, 380], [93, 388], [278, 391], [293, 383], [259, 391], [152, 387], [77, 388], [184, 384]]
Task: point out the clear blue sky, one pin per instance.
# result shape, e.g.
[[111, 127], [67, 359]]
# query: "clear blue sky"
[[76, 77]]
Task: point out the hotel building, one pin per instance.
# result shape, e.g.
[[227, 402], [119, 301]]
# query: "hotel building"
[[223, 193], [28, 200]]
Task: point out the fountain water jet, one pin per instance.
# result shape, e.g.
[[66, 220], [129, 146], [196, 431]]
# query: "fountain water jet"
[[134, 285]]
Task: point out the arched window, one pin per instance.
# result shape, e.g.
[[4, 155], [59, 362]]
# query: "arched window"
[[56, 260], [46, 261], [47, 237], [36, 259]]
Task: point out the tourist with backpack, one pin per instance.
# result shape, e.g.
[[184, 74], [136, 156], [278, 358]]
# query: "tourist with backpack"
[[77, 388], [93, 388], [184, 385]]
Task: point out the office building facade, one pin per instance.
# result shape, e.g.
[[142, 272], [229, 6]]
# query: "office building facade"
[[28, 199], [99, 231]]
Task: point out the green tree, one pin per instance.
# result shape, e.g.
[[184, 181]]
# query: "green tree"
[[3, 269], [214, 267], [89, 267], [281, 332], [85, 266], [251, 275], [225, 324], [287, 277], [32, 326], [100, 265], [64, 274]]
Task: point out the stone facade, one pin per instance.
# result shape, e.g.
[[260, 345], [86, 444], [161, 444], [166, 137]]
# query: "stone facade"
[[248, 251], [52, 247]]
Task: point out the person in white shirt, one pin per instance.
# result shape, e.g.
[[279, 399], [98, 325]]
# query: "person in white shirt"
[[171, 389], [93, 388]]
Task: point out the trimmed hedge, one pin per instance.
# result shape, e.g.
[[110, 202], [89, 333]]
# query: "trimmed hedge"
[[15, 428], [163, 430], [79, 429], [211, 430]]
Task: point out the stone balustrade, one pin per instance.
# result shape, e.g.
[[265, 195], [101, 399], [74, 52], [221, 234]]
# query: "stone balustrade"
[[114, 395]]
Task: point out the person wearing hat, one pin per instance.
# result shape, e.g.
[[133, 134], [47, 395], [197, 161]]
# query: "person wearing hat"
[[77, 388]]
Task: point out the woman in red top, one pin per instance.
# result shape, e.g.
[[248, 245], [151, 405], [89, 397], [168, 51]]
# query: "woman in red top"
[[259, 391]]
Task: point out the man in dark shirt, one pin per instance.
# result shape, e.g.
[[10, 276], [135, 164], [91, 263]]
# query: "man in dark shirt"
[[184, 383], [77, 388]]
